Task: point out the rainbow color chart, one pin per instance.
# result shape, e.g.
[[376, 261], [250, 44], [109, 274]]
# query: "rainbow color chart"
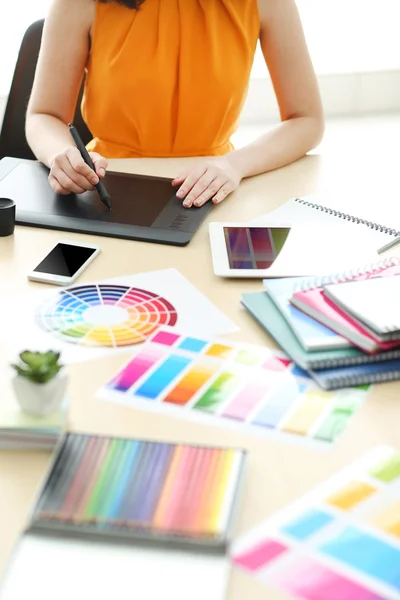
[[246, 385], [341, 542], [138, 488], [107, 315]]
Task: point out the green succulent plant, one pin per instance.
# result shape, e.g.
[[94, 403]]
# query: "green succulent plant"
[[39, 367]]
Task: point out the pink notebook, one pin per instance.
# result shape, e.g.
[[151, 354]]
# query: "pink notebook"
[[313, 302]]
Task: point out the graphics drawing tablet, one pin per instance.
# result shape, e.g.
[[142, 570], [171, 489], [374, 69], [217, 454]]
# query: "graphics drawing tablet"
[[143, 207]]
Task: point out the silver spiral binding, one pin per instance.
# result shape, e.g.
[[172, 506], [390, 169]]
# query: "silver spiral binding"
[[351, 218], [349, 275], [353, 380]]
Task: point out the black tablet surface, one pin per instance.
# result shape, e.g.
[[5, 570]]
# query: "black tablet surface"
[[143, 207]]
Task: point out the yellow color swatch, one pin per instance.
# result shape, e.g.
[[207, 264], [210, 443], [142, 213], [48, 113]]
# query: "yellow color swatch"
[[351, 495], [309, 411], [389, 520], [220, 351]]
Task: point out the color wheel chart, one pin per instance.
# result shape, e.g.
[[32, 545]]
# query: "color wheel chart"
[[341, 542], [105, 315], [244, 385]]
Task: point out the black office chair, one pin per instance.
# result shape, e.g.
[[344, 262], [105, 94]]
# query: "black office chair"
[[12, 137]]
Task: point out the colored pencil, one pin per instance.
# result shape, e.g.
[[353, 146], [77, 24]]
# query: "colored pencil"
[[132, 487]]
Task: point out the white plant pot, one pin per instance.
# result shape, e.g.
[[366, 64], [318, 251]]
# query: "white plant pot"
[[41, 398]]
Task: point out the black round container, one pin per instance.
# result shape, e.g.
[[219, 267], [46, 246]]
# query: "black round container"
[[7, 216]]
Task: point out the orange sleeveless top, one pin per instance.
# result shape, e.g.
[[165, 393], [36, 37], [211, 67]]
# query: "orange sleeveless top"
[[169, 79]]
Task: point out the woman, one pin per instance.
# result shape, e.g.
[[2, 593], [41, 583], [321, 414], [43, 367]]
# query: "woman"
[[169, 78]]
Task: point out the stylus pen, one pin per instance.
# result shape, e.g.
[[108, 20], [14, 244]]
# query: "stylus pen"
[[100, 187], [389, 245]]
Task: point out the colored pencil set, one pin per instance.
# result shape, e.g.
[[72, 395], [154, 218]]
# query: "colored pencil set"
[[141, 489]]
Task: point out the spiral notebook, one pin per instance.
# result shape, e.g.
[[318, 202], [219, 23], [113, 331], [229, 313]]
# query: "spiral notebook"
[[311, 334], [372, 303], [331, 369], [332, 379], [311, 298], [263, 309], [305, 211]]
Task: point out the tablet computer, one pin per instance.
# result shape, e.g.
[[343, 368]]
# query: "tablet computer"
[[143, 207], [245, 250]]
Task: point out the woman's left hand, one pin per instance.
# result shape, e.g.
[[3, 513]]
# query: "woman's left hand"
[[212, 180]]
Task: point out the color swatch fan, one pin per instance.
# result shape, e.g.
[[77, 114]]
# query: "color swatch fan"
[[105, 315], [220, 382], [340, 542]]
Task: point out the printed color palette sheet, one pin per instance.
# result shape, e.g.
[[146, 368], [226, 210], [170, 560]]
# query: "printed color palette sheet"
[[340, 542], [84, 322], [245, 385], [137, 488], [105, 315]]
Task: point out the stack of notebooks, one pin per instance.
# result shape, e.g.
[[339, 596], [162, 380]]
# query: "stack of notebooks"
[[22, 431], [343, 328], [125, 518]]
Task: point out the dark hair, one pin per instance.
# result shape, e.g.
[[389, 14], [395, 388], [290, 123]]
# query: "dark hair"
[[128, 3]]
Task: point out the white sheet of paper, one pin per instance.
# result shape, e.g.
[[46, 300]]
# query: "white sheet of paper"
[[196, 315], [55, 567], [320, 250]]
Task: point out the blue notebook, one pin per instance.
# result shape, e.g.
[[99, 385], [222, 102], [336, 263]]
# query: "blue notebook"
[[330, 379], [311, 334]]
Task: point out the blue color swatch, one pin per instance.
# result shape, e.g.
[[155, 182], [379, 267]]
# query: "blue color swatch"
[[192, 344], [308, 523], [163, 376], [366, 553], [277, 407]]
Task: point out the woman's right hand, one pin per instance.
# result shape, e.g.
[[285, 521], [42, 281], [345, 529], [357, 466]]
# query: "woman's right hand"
[[70, 174]]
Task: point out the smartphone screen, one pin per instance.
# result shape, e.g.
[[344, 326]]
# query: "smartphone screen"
[[65, 260], [254, 247]]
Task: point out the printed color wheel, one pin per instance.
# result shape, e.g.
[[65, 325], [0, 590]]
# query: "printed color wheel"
[[105, 315]]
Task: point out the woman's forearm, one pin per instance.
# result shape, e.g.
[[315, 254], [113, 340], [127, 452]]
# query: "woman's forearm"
[[47, 136], [285, 143]]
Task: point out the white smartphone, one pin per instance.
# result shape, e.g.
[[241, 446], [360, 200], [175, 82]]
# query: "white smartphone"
[[64, 263]]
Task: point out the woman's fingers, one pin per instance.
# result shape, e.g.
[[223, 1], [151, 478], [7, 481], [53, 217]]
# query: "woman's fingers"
[[69, 173]]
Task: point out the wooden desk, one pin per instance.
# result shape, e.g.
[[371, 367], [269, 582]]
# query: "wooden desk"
[[278, 473]]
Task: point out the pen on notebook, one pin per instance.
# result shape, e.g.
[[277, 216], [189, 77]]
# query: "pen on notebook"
[[100, 187], [389, 245]]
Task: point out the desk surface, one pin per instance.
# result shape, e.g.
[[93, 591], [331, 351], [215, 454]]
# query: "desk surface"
[[278, 472]]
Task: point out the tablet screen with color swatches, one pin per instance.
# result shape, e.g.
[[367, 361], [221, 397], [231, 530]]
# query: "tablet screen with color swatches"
[[254, 247], [239, 384], [136, 488], [341, 542], [104, 314]]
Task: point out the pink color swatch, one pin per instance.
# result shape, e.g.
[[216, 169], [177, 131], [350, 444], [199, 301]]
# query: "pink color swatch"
[[144, 360], [306, 578], [260, 555], [165, 338], [242, 405]]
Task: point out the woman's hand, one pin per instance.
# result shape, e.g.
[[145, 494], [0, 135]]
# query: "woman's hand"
[[70, 174], [212, 180]]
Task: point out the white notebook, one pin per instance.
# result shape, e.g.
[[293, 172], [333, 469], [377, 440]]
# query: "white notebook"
[[373, 302], [304, 211]]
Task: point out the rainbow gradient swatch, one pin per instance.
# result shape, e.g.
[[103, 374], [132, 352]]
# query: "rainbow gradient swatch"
[[105, 315], [143, 489], [249, 385], [340, 542]]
